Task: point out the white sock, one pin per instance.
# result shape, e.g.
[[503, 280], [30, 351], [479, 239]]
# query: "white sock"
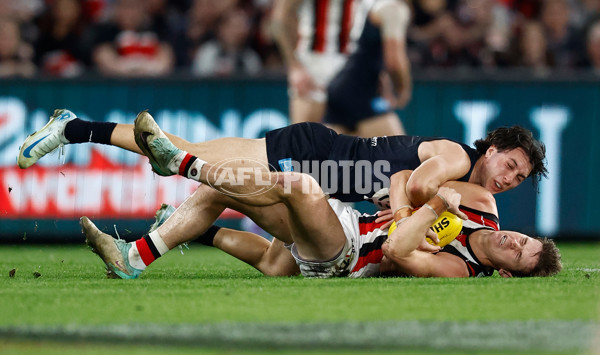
[[135, 260]]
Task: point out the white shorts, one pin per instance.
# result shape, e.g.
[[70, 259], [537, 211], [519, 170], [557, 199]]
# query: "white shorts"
[[322, 67], [343, 264]]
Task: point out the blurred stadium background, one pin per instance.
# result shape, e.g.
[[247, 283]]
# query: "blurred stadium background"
[[477, 65]]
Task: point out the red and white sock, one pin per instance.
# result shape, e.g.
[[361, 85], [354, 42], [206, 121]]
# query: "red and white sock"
[[187, 165], [146, 249]]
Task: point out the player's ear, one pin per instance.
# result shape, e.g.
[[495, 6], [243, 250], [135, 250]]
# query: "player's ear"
[[504, 273], [491, 150]]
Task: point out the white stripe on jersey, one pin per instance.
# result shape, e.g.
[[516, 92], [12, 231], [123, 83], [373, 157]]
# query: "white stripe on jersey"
[[307, 26], [369, 250]]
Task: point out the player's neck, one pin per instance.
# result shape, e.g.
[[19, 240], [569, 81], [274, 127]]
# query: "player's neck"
[[475, 177], [479, 242]]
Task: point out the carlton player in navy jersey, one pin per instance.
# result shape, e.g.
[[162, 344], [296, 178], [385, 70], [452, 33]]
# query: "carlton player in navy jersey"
[[376, 79], [325, 234], [348, 168]]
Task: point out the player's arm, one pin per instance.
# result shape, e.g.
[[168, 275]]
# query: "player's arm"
[[284, 29], [399, 202], [400, 247], [474, 196], [441, 161], [393, 18]]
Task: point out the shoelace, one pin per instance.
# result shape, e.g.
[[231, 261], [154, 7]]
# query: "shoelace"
[[116, 232], [61, 154]]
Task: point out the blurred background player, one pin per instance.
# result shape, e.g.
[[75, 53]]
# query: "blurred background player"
[[313, 37], [376, 79]]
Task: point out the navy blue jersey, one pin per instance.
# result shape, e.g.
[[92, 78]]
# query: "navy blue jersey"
[[348, 168]]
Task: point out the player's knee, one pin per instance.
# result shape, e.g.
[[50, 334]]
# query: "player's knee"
[[283, 266], [296, 186], [205, 194]]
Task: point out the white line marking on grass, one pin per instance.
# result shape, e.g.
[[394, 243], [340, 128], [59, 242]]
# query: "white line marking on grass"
[[587, 269], [517, 336]]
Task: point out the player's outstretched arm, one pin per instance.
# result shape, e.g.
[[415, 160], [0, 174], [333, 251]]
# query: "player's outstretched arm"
[[393, 19], [283, 27]]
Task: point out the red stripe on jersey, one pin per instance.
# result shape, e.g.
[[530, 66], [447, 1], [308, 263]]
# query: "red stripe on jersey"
[[479, 219], [366, 227], [374, 257], [321, 8], [144, 251], [345, 26]]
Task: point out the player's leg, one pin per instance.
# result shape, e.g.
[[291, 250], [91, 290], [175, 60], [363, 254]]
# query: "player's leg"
[[193, 220], [387, 124], [66, 128], [216, 150], [199, 211], [313, 225], [304, 109], [271, 258], [315, 229]]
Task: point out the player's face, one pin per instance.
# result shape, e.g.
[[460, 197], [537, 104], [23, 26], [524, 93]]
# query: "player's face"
[[514, 251], [504, 170]]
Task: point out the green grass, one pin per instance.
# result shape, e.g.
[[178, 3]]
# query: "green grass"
[[212, 297]]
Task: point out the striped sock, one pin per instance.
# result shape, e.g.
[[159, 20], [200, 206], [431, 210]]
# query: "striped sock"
[[190, 166], [146, 249]]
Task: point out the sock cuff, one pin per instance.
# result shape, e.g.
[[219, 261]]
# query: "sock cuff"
[[190, 167], [144, 250], [208, 237], [186, 163], [158, 242]]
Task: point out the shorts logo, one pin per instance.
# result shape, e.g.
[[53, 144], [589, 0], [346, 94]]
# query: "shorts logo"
[[380, 105], [286, 164]]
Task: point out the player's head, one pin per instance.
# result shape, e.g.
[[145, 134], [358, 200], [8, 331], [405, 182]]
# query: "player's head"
[[509, 155], [516, 254]]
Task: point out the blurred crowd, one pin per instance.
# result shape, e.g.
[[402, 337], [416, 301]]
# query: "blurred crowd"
[[142, 38]]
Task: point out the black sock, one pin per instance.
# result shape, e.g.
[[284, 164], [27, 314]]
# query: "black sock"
[[208, 236], [80, 131]]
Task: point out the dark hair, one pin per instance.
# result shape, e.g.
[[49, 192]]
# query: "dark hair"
[[509, 138], [548, 263]]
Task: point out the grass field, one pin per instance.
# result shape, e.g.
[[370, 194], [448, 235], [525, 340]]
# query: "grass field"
[[207, 301]]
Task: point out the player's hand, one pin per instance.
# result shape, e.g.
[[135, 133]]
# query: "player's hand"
[[300, 81], [452, 200], [403, 98], [385, 216], [426, 247], [432, 235]]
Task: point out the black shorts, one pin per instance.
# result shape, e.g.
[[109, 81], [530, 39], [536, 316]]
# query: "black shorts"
[[305, 141], [350, 102]]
